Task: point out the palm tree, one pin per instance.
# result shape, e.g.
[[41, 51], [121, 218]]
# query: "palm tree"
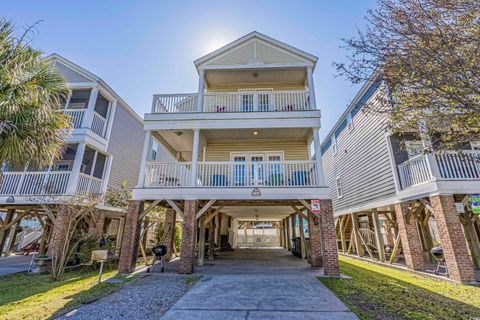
[[32, 130]]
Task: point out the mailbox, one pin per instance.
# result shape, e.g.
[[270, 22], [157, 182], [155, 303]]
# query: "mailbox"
[[99, 255]]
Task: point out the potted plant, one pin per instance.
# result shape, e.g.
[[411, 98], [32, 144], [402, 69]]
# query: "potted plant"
[[43, 264]]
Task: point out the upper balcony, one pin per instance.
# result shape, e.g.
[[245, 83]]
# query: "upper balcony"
[[253, 82], [241, 101], [91, 113]]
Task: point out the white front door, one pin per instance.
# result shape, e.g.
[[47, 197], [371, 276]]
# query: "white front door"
[[255, 168]]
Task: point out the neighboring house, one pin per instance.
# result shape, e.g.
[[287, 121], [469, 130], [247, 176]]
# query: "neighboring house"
[[389, 193], [241, 148], [103, 150]]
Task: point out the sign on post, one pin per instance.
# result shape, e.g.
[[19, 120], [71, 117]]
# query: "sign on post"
[[474, 200], [315, 204], [460, 208]]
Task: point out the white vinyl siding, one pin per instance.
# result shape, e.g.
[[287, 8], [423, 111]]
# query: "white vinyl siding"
[[125, 145]]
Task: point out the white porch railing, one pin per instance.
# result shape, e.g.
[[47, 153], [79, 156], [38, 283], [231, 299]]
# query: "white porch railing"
[[233, 174], [35, 183], [77, 116], [88, 184], [220, 102], [414, 171], [174, 103], [256, 101], [452, 165], [168, 174], [98, 124]]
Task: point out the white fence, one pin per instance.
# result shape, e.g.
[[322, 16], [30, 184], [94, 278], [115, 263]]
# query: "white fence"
[[77, 116], [34, 183], [233, 174], [462, 165], [219, 102]]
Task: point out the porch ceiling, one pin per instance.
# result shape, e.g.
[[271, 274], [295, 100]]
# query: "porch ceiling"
[[258, 213], [218, 79], [182, 140]]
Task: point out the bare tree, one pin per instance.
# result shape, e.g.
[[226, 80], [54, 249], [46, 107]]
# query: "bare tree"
[[427, 55]]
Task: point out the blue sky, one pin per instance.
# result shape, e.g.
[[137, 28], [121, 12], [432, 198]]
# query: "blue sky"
[[144, 47]]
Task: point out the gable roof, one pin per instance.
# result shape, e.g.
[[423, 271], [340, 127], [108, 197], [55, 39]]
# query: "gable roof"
[[94, 78], [243, 42]]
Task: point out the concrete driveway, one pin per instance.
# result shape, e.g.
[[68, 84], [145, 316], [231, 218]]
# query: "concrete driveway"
[[259, 284]]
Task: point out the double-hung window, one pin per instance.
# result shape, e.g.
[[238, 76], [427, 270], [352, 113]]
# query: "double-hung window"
[[338, 187], [349, 122], [334, 145]]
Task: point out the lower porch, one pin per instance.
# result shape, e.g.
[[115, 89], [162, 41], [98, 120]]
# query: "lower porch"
[[212, 231]]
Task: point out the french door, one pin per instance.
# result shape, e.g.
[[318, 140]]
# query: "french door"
[[253, 169]]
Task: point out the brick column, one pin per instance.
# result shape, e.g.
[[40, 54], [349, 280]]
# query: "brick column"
[[169, 231], [316, 255], [187, 250], [289, 238], [59, 232], [329, 239], [131, 237], [452, 236], [411, 242]]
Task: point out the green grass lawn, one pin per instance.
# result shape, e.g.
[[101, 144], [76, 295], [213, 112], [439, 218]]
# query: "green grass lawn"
[[27, 296], [376, 292]]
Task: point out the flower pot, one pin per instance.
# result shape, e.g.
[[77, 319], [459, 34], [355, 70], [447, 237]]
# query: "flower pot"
[[43, 264]]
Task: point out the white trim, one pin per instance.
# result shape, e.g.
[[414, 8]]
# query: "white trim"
[[222, 193], [248, 37], [240, 120]]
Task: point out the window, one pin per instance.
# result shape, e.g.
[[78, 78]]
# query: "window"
[[154, 150], [334, 145], [349, 122], [414, 148], [338, 186]]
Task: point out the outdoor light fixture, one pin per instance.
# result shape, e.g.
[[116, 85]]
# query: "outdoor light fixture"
[[256, 192], [179, 133], [255, 133]]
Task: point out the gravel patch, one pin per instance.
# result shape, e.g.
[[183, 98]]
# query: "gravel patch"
[[146, 298]]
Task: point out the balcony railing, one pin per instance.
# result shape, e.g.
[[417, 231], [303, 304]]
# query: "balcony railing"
[[77, 116], [88, 184], [27, 183], [233, 174], [220, 102], [35, 183], [464, 165], [98, 124]]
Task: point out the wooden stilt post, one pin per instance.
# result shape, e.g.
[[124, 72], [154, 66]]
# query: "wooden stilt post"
[[201, 241], [289, 240], [4, 229], [356, 235], [211, 238], [342, 228], [302, 237], [378, 236]]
